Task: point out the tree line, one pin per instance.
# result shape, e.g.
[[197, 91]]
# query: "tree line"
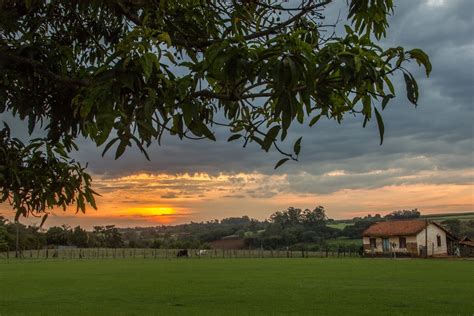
[[292, 228]]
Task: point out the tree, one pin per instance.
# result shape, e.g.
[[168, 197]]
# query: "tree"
[[3, 234], [316, 217], [108, 236], [126, 72], [403, 214], [355, 231], [79, 237], [59, 236], [113, 238], [290, 217], [39, 176]]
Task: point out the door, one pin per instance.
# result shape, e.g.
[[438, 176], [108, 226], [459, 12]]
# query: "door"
[[385, 245]]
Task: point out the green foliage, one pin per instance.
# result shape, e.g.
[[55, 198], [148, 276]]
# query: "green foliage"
[[3, 235], [356, 230], [460, 228], [41, 176], [453, 225], [403, 214], [123, 73], [108, 236], [30, 237], [293, 226], [58, 236]]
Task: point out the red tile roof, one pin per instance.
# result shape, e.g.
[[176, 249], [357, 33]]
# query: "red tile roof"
[[395, 228]]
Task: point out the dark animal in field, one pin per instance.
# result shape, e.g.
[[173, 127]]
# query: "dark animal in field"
[[182, 253]]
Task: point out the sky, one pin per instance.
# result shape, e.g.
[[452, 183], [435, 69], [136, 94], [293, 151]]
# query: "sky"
[[425, 162]]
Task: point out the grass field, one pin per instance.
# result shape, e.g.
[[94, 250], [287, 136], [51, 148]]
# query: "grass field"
[[444, 217], [464, 216], [237, 287], [339, 225]]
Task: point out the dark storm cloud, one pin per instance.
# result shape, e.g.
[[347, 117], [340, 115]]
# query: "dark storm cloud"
[[437, 136]]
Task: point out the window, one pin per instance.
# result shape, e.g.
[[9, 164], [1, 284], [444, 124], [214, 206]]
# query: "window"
[[402, 241], [373, 243], [438, 239]]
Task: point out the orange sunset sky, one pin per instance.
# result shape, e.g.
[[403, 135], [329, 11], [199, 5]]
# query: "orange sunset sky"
[[155, 199]]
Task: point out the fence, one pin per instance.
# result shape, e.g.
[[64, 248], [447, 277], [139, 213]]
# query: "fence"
[[150, 253]]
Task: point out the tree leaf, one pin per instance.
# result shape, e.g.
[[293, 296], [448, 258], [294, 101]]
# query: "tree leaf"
[[270, 137], [297, 146], [121, 148], [422, 59], [257, 140], [234, 137], [43, 220], [380, 124], [385, 100], [314, 120], [31, 123], [282, 161], [109, 144], [165, 37], [412, 88]]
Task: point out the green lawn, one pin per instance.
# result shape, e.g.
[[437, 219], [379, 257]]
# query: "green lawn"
[[237, 287]]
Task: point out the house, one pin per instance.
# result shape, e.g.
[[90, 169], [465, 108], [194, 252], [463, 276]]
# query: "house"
[[408, 238], [466, 247]]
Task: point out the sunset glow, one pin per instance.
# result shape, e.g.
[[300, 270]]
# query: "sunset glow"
[[156, 199], [152, 211]]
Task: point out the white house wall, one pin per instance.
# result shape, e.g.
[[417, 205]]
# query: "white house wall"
[[433, 232]]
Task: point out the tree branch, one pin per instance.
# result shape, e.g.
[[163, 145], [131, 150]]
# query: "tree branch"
[[41, 68], [203, 44]]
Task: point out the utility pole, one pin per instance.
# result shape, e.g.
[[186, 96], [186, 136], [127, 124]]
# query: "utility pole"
[[426, 238], [17, 243]]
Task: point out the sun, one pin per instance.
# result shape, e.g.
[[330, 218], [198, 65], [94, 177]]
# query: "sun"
[[152, 211]]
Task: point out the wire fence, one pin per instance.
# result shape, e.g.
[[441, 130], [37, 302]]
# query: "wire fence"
[[150, 253]]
